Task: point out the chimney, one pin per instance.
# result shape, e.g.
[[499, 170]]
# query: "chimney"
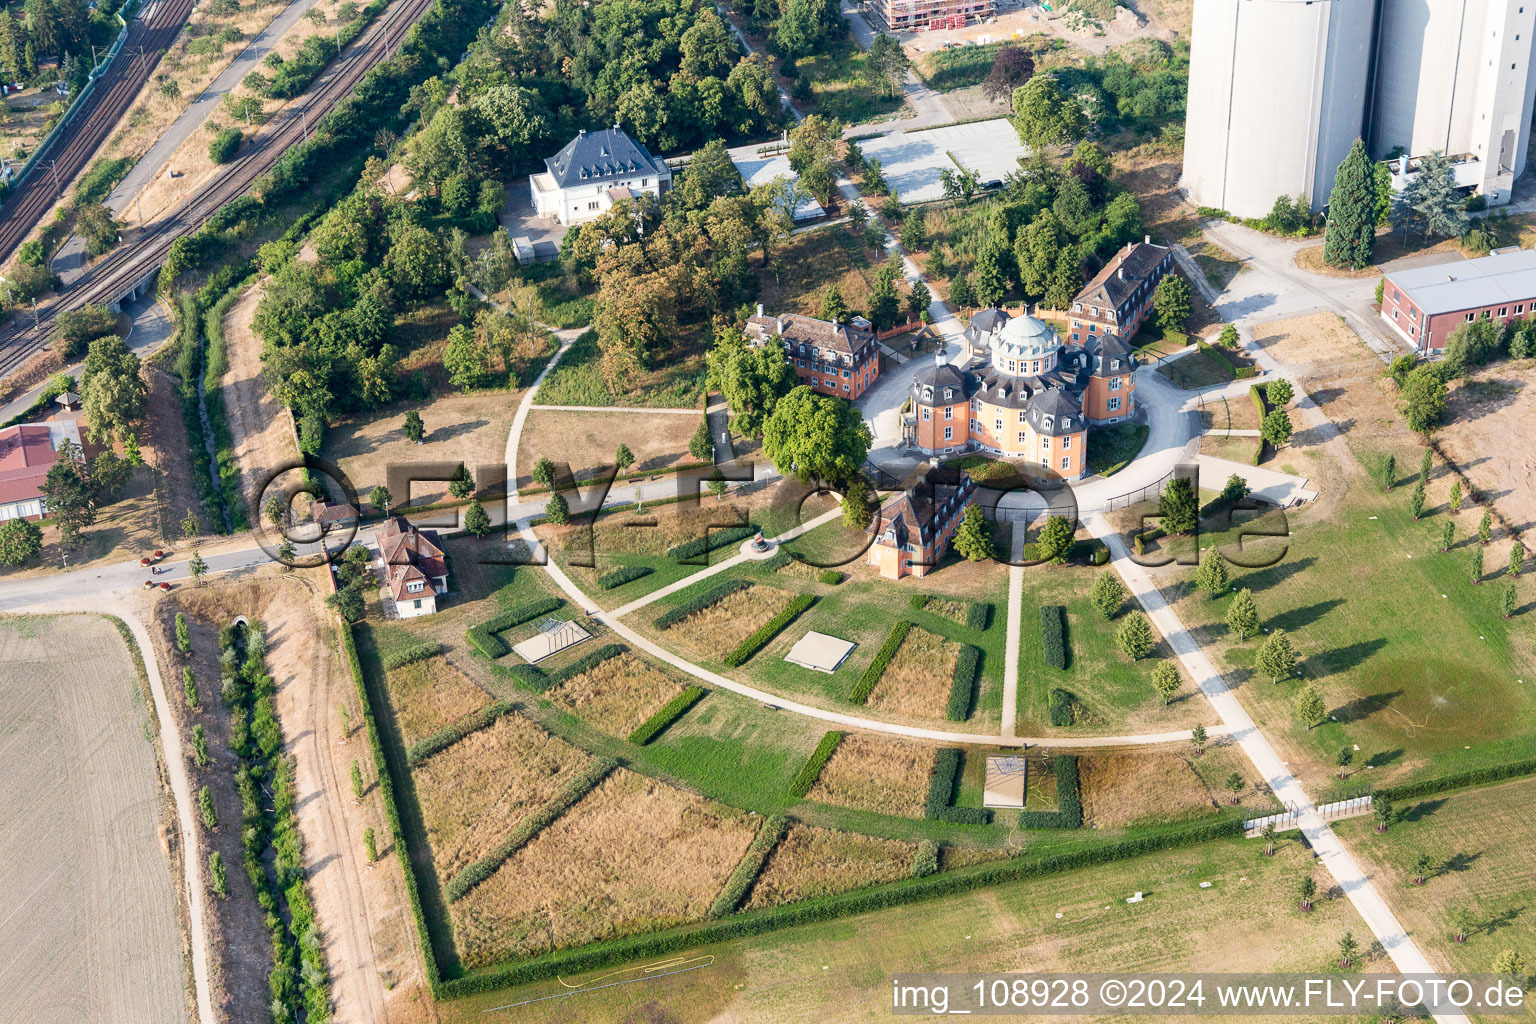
[[1120, 273], [778, 325], [1146, 239], [759, 309], [938, 358]]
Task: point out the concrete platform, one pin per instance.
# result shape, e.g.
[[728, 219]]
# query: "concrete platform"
[[1270, 485], [912, 161], [1005, 783], [819, 652]]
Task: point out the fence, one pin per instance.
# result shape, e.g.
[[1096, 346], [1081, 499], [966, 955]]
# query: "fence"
[[1291, 818], [1147, 493]]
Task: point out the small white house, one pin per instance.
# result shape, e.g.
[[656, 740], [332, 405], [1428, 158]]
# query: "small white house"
[[417, 569], [594, 171]]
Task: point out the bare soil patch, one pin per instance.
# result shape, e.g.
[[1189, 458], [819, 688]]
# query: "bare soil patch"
[[476, 791], [261, 427], [729, 621], [166, 449], [428, 695], [813, 861], [616, 695], [1485, 411], [875, 773], [917, 680], [1390, 245], [633, 855], [587, 440]]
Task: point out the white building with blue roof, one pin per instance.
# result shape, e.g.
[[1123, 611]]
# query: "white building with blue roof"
[[594, 171]]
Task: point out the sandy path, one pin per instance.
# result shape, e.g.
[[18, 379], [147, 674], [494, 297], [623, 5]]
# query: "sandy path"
[[261, 428]]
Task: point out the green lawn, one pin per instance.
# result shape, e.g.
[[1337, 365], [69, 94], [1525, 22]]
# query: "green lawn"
[[1110, 449], [1153, 342], [841, 90], [676, 381], [1199, 369]]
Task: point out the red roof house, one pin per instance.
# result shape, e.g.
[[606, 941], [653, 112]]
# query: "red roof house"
[[26, 455], [417, 567]]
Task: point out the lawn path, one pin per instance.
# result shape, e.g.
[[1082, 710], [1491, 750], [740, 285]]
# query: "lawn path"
[[1015, 635], [1404, 952], [567, 338]]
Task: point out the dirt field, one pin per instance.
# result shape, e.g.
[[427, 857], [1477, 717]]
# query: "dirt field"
[[430, 694], [587, 440], [616, 695], [90, 898], [812, 861], [166, 449], [1124, 789], [476, 791], [1484, 412], [261, 427], [917, 680], [634, 855], [874, 773], [730, 620]]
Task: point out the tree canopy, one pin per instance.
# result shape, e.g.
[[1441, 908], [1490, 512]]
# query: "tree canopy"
[[816, 436]]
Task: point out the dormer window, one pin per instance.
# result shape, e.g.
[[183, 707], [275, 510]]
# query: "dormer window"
[[1114, 364], [1066, 422], [949, 393]]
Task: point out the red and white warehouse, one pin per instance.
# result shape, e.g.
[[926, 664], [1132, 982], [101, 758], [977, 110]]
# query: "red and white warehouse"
[[1425, 304]]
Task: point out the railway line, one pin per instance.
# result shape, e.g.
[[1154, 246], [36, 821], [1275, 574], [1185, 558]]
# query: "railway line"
[[132, 261]]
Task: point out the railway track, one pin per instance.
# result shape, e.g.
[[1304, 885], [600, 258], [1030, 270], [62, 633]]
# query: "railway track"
[[132, 261]]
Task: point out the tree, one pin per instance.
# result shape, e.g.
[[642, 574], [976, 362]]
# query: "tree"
[[197, 567], [275, 512], [1012, 67], [1510, 963], [960, 291], [1463, 923], [96, 225], [1308, 891], [1277, 658], [1235, 786], [1268, 834], [1197, 739], [1243, 615], [1475, 567], [413, 428], [1178, 506], [285, 554], [884, 304], [1277, 427], [20, 541], [370, 845], [1423, 396], [1456, 496], [348, 603], [1344, 759], [991, 276], [1389, 472], [1173, 303], [218, 874], [1228, 338], [131, 453], [1309, 707], [1485, 527], [191, 526], [886, 63], [558, 509], [858, 216], [476, 521], [833, 308], [1211, 575], [973, 537], [1508, 602], [1166, 681], [69, 493], [543, 472], [208, 811], [1235, 489], [1279, 392], [717, 484], [1426, 466], [379, 498], [918, 301], [856, 509], [1431, 203], [1134, 637], [752, 379], [701, 446], [1416, 502], [460, 483], [1447, 534], [1108, 593], [1516, 558], [221, 150], [1382, 811], [1044, 115], [1423, 864], [1352, 212], [1055, 541], [818, 436], [75, 329], [468, 362], [1348, 950], [113, 395]]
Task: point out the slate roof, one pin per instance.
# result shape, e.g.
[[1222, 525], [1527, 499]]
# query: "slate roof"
[[601, 156], [1064, 411], [929, 382], [910, 513], [1471, 284], [1107, 348], [1114, 285], [848, 339], [989, 320]]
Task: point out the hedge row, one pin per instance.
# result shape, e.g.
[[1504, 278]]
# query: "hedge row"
[[462, 883], [977, 613], [749, 867], [670, 712], [776, 561], [1053, 634], [698, 602], [768, 630], [1069, 802], [531, 677], [826, 908], [963, 685], [941, 783], [831, 577], [872, 674], [405, 652], [1459, 780], [1060, 706], [809, 772], [1257, 394], [447, 737], [527, 677], [709, 542], [483, 637], [623, 575]]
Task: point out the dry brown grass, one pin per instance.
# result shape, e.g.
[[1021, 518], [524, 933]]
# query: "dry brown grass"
[[952, 857], [428, 695], [634, 855], [917, 680], [587, 440], [476, 791], [730, 620], [616, 695], [1390, 246], [1124, 789], [954, 611], [812, 862], [876, 774]]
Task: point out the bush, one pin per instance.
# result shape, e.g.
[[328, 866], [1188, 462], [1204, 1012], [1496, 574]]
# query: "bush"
[[809, 772], [670, 712], [619, 577], [447, 737], [872, 674], [1053, 634], [978, 615], [831, 577], [776, 561], [222, 149], [925, 860], [460, 885], [749, 867], [1061, 706], [709, 542], [183, 635], [1069, 804], [405, 652], [768, 630], [698, 602], [483, 637], [941, 783], [962, 686], [586, 663], [525, 677], [1459, 780]]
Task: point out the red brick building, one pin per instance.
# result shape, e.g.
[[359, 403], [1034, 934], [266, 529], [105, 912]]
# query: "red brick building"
[[915, 15], [1119, 298], [833, 358], [1425, 304], [917, 523]]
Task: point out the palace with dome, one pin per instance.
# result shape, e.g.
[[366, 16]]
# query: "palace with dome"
[[1022, 394]]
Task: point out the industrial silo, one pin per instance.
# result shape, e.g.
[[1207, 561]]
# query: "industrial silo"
[[1277, 94]]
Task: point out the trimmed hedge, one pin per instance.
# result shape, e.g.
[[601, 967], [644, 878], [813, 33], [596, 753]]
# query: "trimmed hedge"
[[623, 575], [749, 867], [1053, 633], [462, 883], [1459, 780], [872, 674], [709, 542], [483, 637], [447, 737], [535, 679], [768, 630], [831, 577], [698, 602], [978, 615], [525, 677], [1262, 405], [587, 662], [925, 859], [669, 712], [809, 772], [1069, 802], [941, 790], [407, 652], [826, 908], [1060, 706], [962, 686], [776, 561]]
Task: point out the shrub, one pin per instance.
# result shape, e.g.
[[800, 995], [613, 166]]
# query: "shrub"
[[1459, 780], [448, 736], [586, 663], [405, 652], [962, 685], [749, 867], [1053, 629], [1069, 804], [670, 712], [222, 149], [831, 577], [768, 630], [809, 772], [978, 615], [625, 574], [1061, 706], [925, 860], [872, 674], [698, 602], [460, 885], [183, 635], [483, 637], [776, 561], [709, 542], [525, 677]]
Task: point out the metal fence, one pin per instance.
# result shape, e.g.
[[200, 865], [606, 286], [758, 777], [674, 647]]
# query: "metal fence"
[[1291, 817]]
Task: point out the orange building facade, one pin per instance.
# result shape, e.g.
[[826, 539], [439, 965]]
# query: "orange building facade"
[[917, 524], [832, 358]]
